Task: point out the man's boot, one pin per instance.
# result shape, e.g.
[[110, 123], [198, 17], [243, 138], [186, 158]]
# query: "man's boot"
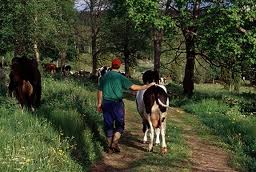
[[115, 146], [109, 149]]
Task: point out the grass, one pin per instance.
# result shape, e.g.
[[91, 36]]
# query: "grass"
[[31, 144], [224, 113], [178, 152], [64, 134], [175, 160]]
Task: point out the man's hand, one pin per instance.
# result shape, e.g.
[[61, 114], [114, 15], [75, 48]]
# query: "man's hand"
[[99, 108], [99, 99]]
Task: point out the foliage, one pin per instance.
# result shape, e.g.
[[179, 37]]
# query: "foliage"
[[149, 13], [6, 25], [35, 22], [119, 36], [229, 40]]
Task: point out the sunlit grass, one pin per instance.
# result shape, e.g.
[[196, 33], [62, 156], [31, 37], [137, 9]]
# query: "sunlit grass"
[[230, 116], [64, 134]]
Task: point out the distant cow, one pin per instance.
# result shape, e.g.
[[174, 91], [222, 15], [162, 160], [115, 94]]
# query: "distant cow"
[[50, 67], [122, 73], [66, 69], [102, 71], [152, 106], [25, 82]]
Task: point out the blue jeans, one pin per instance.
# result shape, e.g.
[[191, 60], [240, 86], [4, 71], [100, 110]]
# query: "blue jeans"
[[113, 114]]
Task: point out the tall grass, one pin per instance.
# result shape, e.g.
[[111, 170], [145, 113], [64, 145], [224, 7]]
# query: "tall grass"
[[64, 134], [31, 144], [225, 114]]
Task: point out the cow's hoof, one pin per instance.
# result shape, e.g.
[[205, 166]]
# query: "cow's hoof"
[[145, 142], [150, 150], [163, 150], [157, 144]]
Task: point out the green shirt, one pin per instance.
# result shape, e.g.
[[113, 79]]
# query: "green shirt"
[[112, 85]]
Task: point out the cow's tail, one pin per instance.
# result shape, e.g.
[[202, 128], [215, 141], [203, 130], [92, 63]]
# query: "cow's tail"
[[162, 104]]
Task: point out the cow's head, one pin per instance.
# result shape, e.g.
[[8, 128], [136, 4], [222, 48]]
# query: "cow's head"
[[150, 76]]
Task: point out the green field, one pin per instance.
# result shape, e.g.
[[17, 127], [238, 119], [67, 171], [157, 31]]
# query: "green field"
[[65, 133]]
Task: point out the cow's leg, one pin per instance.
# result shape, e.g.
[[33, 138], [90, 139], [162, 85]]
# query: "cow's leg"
[[145, 131], [20, 97], [157, 130], [163, 129], [150, 147], [145, 138]]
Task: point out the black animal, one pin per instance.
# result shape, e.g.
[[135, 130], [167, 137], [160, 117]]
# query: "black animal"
[[25, 82], [102, 71]]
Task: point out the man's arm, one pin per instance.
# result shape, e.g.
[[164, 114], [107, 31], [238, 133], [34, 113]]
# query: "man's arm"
[[135, 87], [99, 99]]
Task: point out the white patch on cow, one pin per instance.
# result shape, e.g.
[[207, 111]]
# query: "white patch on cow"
[[145, 138], [140, 102], [162, 86], [150, 146], [155, 108], [157, 130], [163, 129]]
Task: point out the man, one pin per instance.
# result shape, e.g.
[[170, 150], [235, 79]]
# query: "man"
[[110, 95]]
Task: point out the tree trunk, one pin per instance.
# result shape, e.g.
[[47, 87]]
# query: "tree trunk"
[[94, 54], [188, 82], [126, 63], [158, 37], [37, 55], [189, 35], [126, 51], [19, 48], [62, 58]]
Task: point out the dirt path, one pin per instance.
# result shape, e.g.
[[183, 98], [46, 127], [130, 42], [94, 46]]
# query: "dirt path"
[[131, 147], [204, 156]]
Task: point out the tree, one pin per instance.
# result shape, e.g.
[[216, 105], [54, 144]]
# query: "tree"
[[229, 41], [27, 25], [6, 25], [188, 17], [151, 14], [93, 11], [119, 36], [64, 28]]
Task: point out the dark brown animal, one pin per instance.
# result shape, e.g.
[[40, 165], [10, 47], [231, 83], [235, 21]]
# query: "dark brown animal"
[[25, 82]]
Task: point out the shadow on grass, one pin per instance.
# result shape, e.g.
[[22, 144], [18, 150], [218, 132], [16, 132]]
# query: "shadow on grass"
[[75, 121], [132, 141], [175, 160]]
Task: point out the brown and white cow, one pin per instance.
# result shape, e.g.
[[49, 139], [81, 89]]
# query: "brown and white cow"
[[152, 106]]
